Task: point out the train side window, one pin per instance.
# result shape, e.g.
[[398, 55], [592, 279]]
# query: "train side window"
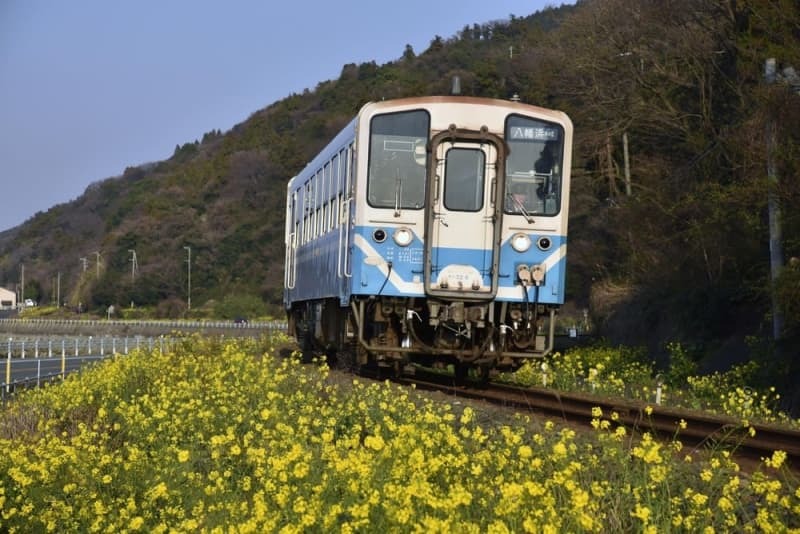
[[350, 172], [310, 233], [326, 193], [318, 179], [397, 167], [312, 202], [334, 190], [307, 212]]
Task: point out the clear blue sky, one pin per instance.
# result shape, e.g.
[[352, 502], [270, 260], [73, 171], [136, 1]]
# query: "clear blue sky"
[[89, 87]]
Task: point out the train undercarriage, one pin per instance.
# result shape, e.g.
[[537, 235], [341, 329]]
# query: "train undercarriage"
[[399, 333]]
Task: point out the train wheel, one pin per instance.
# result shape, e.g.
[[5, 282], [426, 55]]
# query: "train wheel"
[[482, 373], [461, 372], [346, 360], [466, 374], [304, 337]]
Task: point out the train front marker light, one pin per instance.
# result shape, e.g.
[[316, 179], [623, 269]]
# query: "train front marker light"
[[403, 236]]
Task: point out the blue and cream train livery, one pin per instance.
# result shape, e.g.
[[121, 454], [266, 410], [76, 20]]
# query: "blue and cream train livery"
[[432, 230]]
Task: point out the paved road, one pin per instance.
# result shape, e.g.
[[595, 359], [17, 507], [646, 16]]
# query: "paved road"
[[30, 369], [36, 369]]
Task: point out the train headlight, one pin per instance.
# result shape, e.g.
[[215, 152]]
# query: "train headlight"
[[403, 237], [520, 242]]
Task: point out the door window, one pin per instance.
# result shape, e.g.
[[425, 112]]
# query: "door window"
[[464, 179]]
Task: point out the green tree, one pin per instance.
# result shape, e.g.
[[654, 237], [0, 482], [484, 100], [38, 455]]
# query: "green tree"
[[246, 306]]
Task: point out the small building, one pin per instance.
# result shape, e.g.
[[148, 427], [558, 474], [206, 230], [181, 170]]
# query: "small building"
[[8, 299]]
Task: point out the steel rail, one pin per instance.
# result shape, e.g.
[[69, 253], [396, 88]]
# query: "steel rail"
[[751, 440]]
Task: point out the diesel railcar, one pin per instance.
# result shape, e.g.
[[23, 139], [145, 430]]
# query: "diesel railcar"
[[432, 231]]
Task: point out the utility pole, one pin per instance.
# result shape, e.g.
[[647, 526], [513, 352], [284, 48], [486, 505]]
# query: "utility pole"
[[134, 265], [58, 290], [189, 277], [83, 262], [774, 210], [97, 254], [775, 237], [627, 165], [788, 76], [22, 283]]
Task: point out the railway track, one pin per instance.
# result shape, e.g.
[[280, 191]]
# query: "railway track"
[[750, 443]]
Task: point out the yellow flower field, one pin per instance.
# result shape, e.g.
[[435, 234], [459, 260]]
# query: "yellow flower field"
[[222, 438], [627, 373]]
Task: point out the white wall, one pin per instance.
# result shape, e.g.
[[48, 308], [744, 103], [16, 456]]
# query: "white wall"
[[7, 296]]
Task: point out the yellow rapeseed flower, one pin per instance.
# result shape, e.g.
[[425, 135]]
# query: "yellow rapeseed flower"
[[467, 415], [778, 457], [159, 490], [375, 443], [699, 499], [525, 451], [560, 450], [642, 513]]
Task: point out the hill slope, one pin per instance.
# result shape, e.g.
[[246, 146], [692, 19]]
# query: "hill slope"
[[223, 196], [668, 229]]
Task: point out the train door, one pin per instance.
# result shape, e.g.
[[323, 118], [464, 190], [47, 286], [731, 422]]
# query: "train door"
[[345, 198], [463, 221], [292, 224]]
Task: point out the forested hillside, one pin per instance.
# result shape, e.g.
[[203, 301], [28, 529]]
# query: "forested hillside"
[[669, 232]]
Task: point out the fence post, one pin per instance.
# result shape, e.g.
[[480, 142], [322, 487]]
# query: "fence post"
[[76, 346], [36, 347], [8, 368], [50, 348], [23, 349]]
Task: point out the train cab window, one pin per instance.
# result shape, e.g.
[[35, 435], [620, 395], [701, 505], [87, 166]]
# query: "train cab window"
[[398, 160], [533, 167], [464, 179]]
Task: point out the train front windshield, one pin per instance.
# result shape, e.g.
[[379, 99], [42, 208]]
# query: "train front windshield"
[[533, 167], [398, 160]]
